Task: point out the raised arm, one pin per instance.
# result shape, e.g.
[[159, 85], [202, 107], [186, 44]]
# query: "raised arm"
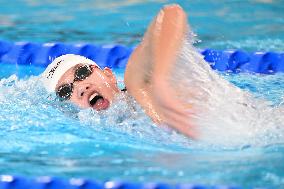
[[170, 29], [159, 46], [150, 67]]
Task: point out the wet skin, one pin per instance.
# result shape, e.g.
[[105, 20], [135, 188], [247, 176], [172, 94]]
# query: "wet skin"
[[100, 84], [151, 66]]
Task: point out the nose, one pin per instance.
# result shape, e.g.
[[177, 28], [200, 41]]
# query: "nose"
[[82, 89]]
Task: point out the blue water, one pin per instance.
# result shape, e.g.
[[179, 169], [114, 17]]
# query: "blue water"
[[38, 139], [246, 24]]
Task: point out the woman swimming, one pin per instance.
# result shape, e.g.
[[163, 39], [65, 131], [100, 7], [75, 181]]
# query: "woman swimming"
[[81, 81], [165, 75]]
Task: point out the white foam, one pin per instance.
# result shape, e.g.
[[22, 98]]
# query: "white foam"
[[225, 114]]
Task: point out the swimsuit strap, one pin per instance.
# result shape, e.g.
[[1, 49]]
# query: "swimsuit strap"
[[124, 89]]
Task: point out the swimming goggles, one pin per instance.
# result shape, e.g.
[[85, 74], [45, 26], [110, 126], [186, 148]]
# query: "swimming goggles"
[[64, 92]]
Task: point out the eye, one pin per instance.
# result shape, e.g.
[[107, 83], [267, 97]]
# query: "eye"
[[82, 93], [87, 87]]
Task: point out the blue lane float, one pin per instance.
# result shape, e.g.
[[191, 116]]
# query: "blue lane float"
[[26, 53], [13, 182], [240, 61], [116, 56]]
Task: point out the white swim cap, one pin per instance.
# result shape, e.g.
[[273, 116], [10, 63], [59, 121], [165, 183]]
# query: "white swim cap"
[[59, 66]]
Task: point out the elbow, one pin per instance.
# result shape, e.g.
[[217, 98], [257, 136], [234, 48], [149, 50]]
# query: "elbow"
[[173, 7], [174, 11], [172, 15]]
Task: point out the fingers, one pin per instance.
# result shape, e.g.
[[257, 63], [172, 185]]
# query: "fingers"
[[175, 108], [177, 116], [175, 113], [179, 121]]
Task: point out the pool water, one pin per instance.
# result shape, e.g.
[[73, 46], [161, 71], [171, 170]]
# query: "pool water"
[[38, 139], [245, 24]]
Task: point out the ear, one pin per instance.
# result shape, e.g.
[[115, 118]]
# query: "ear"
[[107, 71]]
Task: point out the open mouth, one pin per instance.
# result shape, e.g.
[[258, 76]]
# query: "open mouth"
[[98, 102]]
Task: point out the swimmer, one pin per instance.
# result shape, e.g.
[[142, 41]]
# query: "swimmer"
[[81, 81]]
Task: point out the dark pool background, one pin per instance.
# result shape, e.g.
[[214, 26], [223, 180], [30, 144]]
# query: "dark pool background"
[[246, 24], [37, 139]]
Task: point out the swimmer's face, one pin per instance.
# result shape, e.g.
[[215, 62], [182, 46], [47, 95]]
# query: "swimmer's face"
[[96, 91]]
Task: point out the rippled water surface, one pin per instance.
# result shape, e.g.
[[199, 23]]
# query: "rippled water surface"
[[43, 137], [246, 24]]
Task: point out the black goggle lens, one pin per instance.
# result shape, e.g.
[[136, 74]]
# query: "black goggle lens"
[[82, 72], [65, 91]]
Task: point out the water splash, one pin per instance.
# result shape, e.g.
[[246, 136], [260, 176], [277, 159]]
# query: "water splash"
[[225, 115], [126, 117], [28, 110], [40, 132]]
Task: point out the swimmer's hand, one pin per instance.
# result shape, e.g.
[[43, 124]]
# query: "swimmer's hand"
[[173, 112], [167, 39], [150, 66]]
